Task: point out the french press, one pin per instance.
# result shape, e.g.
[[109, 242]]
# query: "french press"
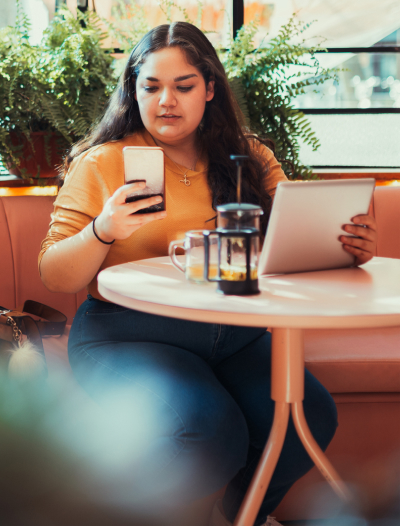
[[238, 231]]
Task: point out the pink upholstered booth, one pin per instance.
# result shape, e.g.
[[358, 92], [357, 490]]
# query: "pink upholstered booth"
[[24, 223], [360, 368]]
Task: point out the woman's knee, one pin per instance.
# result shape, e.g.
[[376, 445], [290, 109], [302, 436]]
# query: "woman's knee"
[[216, 431], [216, 445]]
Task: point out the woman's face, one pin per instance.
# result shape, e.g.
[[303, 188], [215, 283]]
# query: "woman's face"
[[172, 95]]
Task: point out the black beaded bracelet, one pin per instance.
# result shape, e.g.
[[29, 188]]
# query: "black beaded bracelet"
[[94, 232]]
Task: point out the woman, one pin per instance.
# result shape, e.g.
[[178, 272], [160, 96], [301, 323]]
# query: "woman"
[[206, 387]]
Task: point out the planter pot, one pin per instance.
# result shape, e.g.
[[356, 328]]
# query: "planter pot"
[[33, 159]]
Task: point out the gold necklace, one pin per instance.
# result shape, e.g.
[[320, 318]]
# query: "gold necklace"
[[185, 180]]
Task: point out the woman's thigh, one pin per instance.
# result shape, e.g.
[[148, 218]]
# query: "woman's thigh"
[[99, 321]]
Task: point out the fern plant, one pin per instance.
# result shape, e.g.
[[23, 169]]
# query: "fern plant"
[[267, 80], [59, 87]]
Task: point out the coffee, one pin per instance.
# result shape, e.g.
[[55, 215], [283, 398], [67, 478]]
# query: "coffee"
[[237, 273]]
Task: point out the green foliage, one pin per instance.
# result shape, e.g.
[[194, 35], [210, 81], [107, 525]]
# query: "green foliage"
[[271, 77], [62, 85], [58, 87]]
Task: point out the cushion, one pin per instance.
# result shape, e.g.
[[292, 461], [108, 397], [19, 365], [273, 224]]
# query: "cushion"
[[354, 360], [7, 297], [387, 215], [26, 221]]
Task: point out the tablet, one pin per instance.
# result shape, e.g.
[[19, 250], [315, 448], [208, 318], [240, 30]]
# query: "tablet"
[[306, 221]]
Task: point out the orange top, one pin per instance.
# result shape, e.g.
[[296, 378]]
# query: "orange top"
[[97, 173]]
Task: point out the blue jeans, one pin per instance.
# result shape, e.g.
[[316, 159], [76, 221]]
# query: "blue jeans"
[[201, 396]]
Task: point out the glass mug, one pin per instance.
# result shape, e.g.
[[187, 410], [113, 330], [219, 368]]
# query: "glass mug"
[[193, 245]]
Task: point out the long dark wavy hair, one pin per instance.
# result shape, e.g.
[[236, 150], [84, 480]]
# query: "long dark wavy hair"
[[221, 132]]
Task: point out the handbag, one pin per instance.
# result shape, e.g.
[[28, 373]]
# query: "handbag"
[[21, 345]]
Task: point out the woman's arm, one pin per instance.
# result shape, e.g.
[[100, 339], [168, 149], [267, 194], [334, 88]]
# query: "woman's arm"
[[69, 265]]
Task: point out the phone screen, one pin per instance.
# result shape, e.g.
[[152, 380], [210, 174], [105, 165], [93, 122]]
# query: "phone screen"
[[145, 164]]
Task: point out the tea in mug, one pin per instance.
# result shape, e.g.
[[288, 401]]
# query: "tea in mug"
[[196, 272]]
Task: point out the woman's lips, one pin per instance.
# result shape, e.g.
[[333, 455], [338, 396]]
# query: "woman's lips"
[[169, 117]]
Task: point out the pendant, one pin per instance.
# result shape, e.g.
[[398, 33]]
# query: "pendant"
[[185, 181]]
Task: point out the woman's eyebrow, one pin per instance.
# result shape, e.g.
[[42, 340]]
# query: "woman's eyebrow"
[[177, 79], [185, 77]]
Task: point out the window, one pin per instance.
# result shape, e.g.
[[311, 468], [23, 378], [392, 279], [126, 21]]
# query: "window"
[[357, 119]]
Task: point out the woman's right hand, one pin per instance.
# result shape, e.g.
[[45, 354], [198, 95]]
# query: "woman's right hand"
[[116, 220]]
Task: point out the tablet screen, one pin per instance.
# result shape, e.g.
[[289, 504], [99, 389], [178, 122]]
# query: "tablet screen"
[[306, 221]]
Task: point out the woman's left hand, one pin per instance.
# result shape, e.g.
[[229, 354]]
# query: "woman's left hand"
[[364, 245]]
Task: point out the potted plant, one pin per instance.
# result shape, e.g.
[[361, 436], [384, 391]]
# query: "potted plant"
[[50, 94]]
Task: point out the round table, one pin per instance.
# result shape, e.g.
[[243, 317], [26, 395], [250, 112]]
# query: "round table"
[[367, 296]]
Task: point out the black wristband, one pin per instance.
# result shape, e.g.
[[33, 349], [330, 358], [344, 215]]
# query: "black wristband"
[[94, 232]]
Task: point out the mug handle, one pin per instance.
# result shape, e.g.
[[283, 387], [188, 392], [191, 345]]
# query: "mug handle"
[[171, 251]]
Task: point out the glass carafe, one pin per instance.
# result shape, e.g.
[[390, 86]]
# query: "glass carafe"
[[238, 231]]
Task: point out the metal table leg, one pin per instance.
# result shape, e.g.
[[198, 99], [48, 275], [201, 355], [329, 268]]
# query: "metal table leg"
[[287, 390]]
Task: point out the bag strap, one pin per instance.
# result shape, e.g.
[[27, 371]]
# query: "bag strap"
[[25, 324], [53, 325], [56, 320]]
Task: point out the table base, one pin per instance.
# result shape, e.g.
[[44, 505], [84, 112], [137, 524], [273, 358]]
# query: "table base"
[[287, 390]]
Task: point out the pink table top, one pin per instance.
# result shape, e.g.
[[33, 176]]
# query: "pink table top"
[[367, 296]]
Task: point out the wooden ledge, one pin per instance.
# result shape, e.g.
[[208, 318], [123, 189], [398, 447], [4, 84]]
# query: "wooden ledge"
[[12, 181], [359, 173], [14, 186], [28, 190]]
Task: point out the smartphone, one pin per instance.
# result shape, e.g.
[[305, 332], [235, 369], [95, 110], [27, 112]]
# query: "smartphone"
[[145, 164]]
